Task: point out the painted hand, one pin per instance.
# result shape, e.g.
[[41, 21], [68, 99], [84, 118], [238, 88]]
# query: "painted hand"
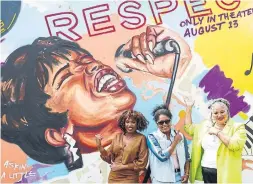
[[143, 58]]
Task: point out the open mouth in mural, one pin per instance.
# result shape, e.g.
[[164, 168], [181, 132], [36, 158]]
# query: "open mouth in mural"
[[107, 80]]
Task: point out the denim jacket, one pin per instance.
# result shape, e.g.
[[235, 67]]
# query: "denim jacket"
[[161, 163]]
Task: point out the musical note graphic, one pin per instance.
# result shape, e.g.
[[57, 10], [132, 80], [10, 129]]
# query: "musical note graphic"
[[247, 72]]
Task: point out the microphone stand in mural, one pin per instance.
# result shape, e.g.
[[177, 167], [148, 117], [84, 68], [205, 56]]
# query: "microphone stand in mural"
[[167, 46], [162, 48]]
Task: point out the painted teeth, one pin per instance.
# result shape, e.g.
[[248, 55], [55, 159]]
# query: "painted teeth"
[[113, 82], [112, 89], [104, 79]]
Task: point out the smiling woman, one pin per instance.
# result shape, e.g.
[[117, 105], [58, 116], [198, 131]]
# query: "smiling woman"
[[52, 84], [168, 150], [128, 153], [23, 114], [56, 96], [81, 85], [217, 148]]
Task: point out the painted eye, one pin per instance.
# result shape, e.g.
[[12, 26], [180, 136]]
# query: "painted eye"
[[79, 68], [63, 78]]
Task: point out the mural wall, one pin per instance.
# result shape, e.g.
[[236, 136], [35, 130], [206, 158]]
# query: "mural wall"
[[70, 68]]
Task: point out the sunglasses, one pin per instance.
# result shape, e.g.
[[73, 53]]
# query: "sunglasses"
[[163, 121]]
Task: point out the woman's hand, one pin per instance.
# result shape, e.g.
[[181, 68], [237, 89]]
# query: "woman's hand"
[[189, 102], [213, 131], [116, 166], [184, 179], [178, 138]]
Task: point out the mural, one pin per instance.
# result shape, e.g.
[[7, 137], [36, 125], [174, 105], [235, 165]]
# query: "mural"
[[9, 15], [70, 68]]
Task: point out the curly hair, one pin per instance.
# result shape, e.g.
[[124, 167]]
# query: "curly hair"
[[161, 110], [141, 121]]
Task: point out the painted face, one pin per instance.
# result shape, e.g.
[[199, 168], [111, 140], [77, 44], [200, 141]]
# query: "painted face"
[[164, 124], [220, 113], [93, 94], [130, 125]]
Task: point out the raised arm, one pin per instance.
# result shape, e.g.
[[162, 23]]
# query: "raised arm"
[[106, 155], [188, 126], [162, 154]]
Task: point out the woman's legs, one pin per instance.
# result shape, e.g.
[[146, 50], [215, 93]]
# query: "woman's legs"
[[209, 175], [178, 177]]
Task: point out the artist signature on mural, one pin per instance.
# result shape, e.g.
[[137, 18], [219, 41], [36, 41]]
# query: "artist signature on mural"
[[19, 171]]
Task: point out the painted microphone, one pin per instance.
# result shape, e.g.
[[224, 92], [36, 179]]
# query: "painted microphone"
[[162, 48]]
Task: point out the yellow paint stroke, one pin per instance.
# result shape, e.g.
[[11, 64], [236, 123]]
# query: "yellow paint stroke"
[[243, 115], [179, 126], [152, 20], [231, 49], [181, 114], [12, 21], [181, 3], [2, 26]]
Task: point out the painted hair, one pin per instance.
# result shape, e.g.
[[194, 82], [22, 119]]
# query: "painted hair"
[[24, 116]]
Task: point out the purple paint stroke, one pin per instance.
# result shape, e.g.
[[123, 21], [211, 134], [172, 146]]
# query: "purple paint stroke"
[[37, 176], [2, 40], [2, 64], [217, 85]]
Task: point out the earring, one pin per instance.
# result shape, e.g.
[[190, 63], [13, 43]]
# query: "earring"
[[74, 157]]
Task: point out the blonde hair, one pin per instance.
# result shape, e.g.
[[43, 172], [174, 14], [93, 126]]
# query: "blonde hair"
[[219, 100]]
